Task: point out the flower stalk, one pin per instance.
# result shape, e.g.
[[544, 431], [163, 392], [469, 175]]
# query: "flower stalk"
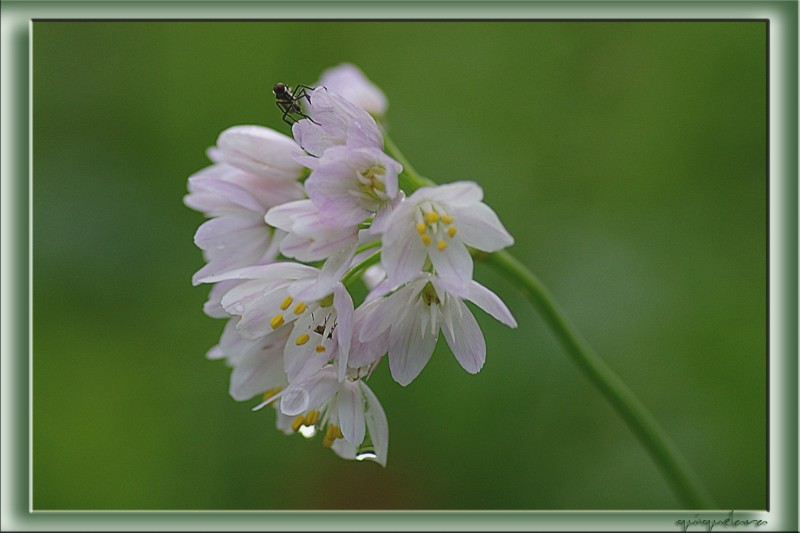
[[675, 468], [680, 475]]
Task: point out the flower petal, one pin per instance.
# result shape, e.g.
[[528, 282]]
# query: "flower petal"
[[458, 194], [479, 227], [453, 263], [310, 394], [464, 336], [351, 413], [275, 271], [260, 151], [343, 303], [260, 369], [491, 303], [403, 253], [349, 82], [410, 348], [377, 425]]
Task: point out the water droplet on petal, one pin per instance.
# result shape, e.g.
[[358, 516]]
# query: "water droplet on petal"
[[307, 431], [366, 455]]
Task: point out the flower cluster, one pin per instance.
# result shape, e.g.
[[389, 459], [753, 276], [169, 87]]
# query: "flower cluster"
[[293, 222]]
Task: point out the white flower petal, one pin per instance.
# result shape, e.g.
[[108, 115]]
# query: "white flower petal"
[[294, 401], [261, 151], [344, 449], [377, 425], [213, 306], [466, 339], [349, 82], [382, 314], [403, 254], [310, 394], [453, 263], [301, 361], [260, 369], [458, 194], [409, 349], [282, 216], [479, 227], [273, 271], [491, 303], [343, 303], [351, 413]]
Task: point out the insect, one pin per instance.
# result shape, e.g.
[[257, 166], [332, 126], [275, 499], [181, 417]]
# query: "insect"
[[320, 330], [288, 100]]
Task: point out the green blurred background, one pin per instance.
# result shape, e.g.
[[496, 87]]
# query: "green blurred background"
[[627, 158]]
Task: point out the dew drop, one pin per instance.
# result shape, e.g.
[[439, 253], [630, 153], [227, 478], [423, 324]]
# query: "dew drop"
[[366, 455], [307, 431]]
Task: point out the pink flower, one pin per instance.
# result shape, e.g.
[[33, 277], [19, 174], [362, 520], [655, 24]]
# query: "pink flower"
[[439, 223], [412, 317], [350, 83]]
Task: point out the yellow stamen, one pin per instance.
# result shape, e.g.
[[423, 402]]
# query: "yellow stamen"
[[302, 339], [447, 219], [286, 303], [270, 393], [311, 418], [297, 422], [299, 308], [333, 432], [421, 228], [432, 217], [276, 322], [327, 442], [451, 231], [426, 239], [441, 245], [320, 348]]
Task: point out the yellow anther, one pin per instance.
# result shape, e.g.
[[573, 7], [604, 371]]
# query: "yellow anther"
[[286, 303], [426, 239], [421, 228], [297, 422], [276, 322], [451, 231], [311, 418], [447, 219], [270, 393], [441, 245], [432, 217], [327, 442], [299, 308], [302, 339], [320, 348], [333, 432]]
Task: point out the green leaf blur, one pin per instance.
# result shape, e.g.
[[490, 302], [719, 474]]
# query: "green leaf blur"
[[628, 159]]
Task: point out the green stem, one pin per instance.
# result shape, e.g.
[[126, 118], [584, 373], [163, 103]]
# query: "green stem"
[[669, 459], [359, 269]]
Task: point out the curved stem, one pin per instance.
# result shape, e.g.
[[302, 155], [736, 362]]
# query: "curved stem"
[[359, 269], [673, 465]]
